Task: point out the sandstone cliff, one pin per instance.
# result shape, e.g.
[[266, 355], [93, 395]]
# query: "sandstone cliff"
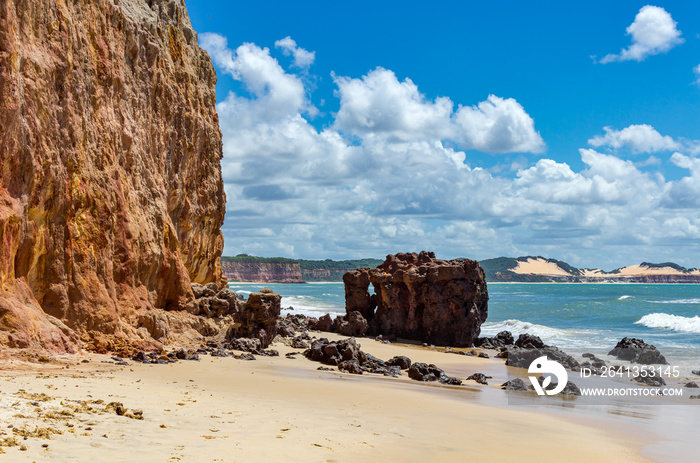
[[262, 272], [111, 198]]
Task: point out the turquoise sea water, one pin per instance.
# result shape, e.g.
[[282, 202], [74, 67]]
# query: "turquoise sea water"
[[575, 317]]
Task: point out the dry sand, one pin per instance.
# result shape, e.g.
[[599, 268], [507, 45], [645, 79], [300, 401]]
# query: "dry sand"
[[280, 409]]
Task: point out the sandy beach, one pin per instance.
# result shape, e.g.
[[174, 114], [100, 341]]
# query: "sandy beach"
[[225, 409]]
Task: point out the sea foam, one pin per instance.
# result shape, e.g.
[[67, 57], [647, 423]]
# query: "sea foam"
[[671, 322]]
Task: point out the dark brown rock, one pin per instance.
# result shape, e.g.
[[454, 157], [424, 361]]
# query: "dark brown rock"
[[424, 372], [258, 317], [637, 351], [400, 361], [423, 298], [353, 324], [479, 378], [357, 296], [324, 323]]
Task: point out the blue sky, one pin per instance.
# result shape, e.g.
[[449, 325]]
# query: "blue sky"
[[472, 129]]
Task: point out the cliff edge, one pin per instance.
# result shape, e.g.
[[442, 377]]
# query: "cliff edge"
[[111, 197]]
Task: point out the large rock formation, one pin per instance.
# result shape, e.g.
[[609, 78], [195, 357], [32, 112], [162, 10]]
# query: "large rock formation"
[[111, 198], [420, 297]]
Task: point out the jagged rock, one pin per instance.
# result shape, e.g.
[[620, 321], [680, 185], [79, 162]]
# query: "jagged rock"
[[350, 366], [502, 339], [637, 351], [234, 303], [516, 384], [246, 345], [656, 381], [198, 290], [570, 389], [420, 297], [424, 372], [324, 323], [479, 378], [595, 362], [258, 317], [111, 196], [298, 343], [523, 357], [218, 307], [696, 372], [246, 356], [692, 384], [694, 397], [483, 355], [529, 341], [353, 324], [400, 361]]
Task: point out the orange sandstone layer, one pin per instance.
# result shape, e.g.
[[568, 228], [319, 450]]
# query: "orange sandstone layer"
[[111, 197]]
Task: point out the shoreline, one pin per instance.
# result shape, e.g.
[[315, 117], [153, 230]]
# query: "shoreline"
[[219, 408]]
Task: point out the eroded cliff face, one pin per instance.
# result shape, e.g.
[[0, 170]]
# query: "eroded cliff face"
[[111, 198]]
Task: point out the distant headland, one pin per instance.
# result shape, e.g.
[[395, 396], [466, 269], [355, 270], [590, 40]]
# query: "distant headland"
[[526, 269]]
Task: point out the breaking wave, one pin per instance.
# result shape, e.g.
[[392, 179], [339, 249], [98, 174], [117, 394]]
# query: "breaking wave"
[[622, 298], [671, 322]]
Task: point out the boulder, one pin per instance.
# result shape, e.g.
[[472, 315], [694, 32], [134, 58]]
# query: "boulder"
[[353, 324], [692, 384], [422, 298], [523, 357], [502, 339], [400, 361], [529, 341], [424, 372], [637, 351], [656, 381], [479, 378], [516, 384], [324, 323], [257, 318]]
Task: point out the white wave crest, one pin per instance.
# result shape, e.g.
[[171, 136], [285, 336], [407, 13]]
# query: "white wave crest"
[[678, 301], [671, 322], [554, 336], [622, 298], [518, 327]]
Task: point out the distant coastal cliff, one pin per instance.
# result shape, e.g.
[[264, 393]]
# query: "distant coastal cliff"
[[262, 272], [526, 269], [244, 267]]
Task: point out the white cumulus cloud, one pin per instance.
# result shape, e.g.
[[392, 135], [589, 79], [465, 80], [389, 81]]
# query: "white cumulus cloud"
[[653, 31], [390, 174], [379, 103], [303, 59], [641, 138]]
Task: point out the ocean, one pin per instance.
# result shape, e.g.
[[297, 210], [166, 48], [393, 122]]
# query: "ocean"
[[577, 318]]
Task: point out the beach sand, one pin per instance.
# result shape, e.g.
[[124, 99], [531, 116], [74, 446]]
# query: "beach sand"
[[275, 408]]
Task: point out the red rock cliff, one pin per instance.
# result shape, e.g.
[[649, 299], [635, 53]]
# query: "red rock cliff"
[[111, 198]]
